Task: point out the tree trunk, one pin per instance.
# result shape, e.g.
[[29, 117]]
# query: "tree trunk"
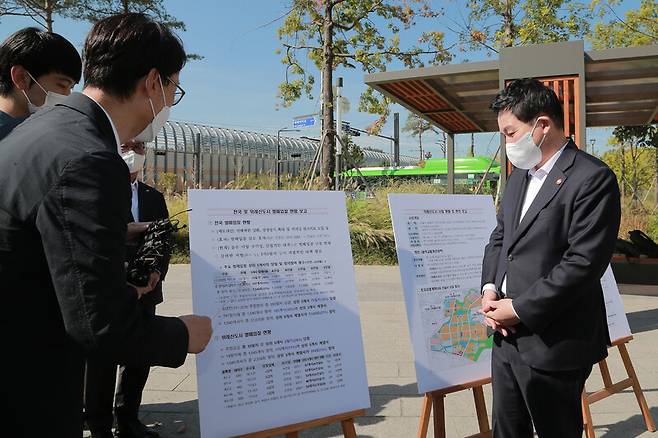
[[48, 9], [656, 169], [508, 25], [622, 150], [444, 145], [328, 128], [420, 144], [634, 181], [126, 6], [471, 150]]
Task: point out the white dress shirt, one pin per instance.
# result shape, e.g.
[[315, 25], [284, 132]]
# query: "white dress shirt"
[[134, 206], [536, 178]]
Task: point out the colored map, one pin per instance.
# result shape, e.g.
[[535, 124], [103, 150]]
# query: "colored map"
[[463, 334]]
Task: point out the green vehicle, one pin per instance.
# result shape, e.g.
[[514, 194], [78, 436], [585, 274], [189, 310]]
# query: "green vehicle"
[[468, 170]]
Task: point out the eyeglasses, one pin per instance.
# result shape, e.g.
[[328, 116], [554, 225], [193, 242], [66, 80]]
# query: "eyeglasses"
[[178, 93]]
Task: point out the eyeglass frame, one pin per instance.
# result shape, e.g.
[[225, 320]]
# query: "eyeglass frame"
[[178, 88]]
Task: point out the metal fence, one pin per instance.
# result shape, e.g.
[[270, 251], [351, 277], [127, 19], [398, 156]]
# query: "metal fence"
[[208, 156]]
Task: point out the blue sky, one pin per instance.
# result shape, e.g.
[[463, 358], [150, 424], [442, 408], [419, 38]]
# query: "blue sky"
[[235, 85]]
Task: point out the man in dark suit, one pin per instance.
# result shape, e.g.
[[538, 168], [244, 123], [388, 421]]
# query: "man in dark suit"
[[147, 205], [64, 205], [541, 272], [37, 69]]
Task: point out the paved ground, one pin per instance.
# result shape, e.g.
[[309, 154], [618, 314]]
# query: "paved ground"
[[170, 398]]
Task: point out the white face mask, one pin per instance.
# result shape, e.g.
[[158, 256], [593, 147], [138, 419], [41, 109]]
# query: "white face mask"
[[52, 98], [134, 161], [151, 131], [525, 154]]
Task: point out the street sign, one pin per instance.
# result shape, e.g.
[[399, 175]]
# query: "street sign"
[[304, 121]]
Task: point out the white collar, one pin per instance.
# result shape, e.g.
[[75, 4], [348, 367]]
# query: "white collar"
[[114, 129], [134, 184], [548, 166]]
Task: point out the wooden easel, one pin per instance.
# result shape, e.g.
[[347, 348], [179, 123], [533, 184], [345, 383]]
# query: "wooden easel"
[[611, 388], [292, 431], [434, 400]]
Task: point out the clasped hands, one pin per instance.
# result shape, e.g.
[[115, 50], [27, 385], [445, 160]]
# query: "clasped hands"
[[498, 313]]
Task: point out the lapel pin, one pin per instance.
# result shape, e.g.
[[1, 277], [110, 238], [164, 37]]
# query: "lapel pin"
[[558, 181]]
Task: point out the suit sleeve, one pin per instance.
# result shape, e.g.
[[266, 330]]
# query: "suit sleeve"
[[591, 240], [492, 251], [82, 223]]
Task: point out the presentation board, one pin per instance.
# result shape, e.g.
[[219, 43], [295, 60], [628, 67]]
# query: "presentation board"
[[273, 269], [617, 321], [440, 242]]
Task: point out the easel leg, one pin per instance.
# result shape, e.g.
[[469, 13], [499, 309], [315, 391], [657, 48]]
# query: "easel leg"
[[348, 428], [481, 409], [605, 374], [439, 415], [587, 416], [648, 419], [425, 416]]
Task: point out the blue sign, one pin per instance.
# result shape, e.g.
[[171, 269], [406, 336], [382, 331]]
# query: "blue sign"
[[303, 121]]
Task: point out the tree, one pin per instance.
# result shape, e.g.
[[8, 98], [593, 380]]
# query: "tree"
[[343, 33], [443, 143], [416, 127], [41, 11], [10, 8], [619, 159], [94, 10], [353, 155], [638, 27], [493, 24], [639, 139]]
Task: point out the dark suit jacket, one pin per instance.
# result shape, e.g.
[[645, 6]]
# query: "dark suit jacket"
[[554, 260], [152, 207], [64, 205]]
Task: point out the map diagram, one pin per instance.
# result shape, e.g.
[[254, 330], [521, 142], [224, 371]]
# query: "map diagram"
[[454, 330]]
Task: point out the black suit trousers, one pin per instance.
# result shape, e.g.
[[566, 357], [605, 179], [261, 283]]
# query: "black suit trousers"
[[524, 396], [100, 380]]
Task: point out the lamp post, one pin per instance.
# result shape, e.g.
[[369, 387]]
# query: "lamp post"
[[278, 154]]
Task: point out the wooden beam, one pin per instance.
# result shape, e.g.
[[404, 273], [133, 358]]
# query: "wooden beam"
[[454, 105], [619, 75]]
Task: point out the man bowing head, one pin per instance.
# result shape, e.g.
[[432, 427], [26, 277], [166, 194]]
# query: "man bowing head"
[[541, 291]]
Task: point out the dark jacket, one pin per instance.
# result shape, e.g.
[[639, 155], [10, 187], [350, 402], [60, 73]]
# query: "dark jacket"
[[152, 207], [554, 259], [64, 205], [8, 123]]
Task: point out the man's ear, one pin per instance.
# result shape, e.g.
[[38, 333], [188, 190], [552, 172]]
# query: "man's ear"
[[151, 84], [20, 78], [545, 124]]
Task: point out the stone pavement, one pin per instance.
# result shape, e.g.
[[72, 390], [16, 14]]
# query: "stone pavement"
[[170, 398]]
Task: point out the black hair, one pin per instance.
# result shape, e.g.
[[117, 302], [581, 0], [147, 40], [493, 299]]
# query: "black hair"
[[122, 49], [527, 99], [40, 53]]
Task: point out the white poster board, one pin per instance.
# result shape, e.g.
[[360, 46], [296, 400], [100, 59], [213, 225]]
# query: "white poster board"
[[440, 242], [274, 271], [614, 307]]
